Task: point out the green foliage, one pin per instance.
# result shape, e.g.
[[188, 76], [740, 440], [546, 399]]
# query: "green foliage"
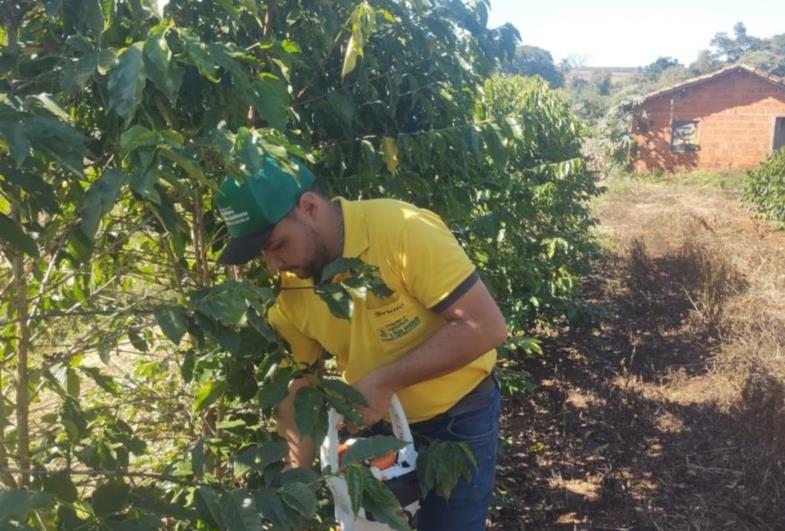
[[441, 465], [532, 251], [765, 189], [118, 122]]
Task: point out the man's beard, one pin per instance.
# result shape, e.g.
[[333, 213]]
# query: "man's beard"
[[320, 258]]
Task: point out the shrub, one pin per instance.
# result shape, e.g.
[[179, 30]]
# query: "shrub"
[[765, 190]]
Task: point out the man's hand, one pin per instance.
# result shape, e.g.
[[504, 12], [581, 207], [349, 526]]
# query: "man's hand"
[[378, 395]]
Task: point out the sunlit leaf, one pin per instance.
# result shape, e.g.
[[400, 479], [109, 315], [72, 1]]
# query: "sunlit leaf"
[[390, 150], [208, 394], [126, 81]]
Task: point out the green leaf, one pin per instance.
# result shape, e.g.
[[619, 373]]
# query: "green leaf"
[[390, 151], [257, 458], [171, 221], [199, 55], [110, 498], [17, 504], [269, 504], [72, 386], [39, 190], [274, 390], [340, 265], [99, 200], [209, 506], [247, 149], [271, 100], [137, 341], [190, 166], [126, 81], [239, 511], [353, 51], [61, 485], [77, 73], [356, 477], [344, 390], [308, 402], [59, 141], [16, 138], [197, 457], [383, 505], [105, 59], [514, 127], [369, 447], [105, 382], [345, 399], [299, 497], [48, 103], [223, 303], [138, 136], [208, 394], [173, 321], [91, 18], [159, 66], [260, 325], [13, 236], [338, 300], [442, 464]]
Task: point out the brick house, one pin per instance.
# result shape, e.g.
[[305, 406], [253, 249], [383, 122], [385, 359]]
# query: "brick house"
[[730, 119]]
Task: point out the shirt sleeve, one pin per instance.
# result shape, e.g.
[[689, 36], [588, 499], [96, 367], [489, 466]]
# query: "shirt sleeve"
[[435, 269], [305, 350]]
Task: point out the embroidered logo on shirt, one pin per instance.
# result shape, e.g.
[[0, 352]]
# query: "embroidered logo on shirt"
[[398, 328]]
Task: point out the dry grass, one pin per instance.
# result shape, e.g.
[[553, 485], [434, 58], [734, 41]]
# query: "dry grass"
[[732, 270]]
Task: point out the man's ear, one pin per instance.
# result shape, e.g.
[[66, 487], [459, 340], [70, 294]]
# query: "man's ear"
[[309, 205]]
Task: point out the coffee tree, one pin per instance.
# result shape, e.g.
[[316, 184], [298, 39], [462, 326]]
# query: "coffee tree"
[[137, 377]]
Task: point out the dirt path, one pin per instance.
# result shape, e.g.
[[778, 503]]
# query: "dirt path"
[[660, 418]]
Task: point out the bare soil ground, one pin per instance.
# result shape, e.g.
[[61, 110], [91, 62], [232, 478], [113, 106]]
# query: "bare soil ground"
[[670, 414]]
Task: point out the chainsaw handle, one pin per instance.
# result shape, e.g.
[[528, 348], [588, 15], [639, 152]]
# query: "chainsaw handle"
[[400, 428], [400, 424]]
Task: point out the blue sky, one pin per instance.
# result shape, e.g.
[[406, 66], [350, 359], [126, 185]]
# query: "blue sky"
[[630, 33]]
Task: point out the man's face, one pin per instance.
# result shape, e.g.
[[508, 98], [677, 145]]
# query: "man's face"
[[295, 245]]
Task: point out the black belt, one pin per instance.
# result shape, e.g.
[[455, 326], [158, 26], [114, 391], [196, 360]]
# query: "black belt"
[[478, 398]]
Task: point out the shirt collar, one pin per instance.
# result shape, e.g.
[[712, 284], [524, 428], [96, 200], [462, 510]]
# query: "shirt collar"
[[355, 232]]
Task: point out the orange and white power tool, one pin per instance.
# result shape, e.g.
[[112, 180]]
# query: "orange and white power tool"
[[396, 470]]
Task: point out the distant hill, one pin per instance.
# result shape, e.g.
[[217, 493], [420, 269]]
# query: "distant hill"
[[618, 73]]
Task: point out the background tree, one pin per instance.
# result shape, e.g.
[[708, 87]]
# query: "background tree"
[[601, 79], [654, 70], [731, 49], [534, 61]]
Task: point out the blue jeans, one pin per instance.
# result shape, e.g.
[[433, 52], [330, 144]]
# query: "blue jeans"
[[467, 507]]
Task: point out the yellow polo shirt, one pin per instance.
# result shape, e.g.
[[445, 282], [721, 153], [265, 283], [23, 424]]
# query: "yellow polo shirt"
[[422, 262]]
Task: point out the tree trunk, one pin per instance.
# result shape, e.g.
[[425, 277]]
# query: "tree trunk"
[[5, 476], [212, 416], [22, 379]]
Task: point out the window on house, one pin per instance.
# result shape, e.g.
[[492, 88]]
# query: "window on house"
[[684, 138]]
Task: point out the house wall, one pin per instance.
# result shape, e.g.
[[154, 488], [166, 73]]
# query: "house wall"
[[735, 113]]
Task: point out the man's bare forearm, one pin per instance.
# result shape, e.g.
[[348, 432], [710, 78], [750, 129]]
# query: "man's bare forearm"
[[474, 325], [301, 451]]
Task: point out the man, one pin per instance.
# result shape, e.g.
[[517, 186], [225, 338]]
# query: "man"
[[431, 342]]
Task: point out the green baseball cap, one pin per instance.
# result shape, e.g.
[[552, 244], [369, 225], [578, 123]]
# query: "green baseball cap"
[[251, 207]]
